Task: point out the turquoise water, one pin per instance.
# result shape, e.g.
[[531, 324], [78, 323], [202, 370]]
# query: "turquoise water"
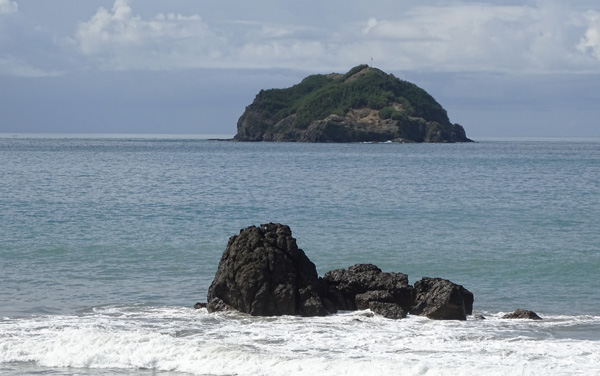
[[94, 230]]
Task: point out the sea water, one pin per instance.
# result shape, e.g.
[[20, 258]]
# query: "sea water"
[[106, 243]]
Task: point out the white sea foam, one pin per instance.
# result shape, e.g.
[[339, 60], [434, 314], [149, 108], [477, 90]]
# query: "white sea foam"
[[183, 340]]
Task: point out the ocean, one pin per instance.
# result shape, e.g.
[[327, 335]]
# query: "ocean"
[[106, 243]]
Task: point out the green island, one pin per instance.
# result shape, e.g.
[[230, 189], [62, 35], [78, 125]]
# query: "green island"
[[363, 105]]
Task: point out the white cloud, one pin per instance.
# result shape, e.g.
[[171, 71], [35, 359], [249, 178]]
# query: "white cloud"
[[20, 46], [7, 6], [122, 40], [11, 66], [547, 37], [591, 40], [479, 38], [287, 54]]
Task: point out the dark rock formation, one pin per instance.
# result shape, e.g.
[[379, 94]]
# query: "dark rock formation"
[[199, 305], [365, 286], [264, 273], [363, 105], [441, 299], [522, 314]]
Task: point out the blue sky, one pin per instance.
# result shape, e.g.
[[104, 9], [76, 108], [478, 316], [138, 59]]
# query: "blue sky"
[[500, 68]]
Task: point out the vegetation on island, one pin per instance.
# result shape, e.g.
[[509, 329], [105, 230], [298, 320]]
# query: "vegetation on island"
[[318, 96], [363, 105]]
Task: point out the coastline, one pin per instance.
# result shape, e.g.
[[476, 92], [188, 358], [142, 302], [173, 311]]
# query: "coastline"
[[230, 137]]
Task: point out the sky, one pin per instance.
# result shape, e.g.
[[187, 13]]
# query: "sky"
[[500, 68]]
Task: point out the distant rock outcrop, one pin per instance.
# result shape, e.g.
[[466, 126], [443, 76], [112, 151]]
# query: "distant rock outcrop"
[[522, 314], [363, 105], [263, 273], [441, 299], [365, 286]]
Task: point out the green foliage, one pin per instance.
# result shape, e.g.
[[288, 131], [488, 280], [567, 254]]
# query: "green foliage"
[[355, 70], [422, 103], [319, 96], [392, 113]]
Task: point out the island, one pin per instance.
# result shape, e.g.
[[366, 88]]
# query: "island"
[[363, 105]]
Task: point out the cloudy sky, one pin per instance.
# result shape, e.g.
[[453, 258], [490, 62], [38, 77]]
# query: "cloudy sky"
[[500, 68]]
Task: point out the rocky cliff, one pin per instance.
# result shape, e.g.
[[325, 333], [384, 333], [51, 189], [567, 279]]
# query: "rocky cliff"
[[363, 105]]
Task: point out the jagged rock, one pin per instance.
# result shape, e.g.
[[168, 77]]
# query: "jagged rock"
[[387, 310], [360, 285], [522, 314], [263, 272], [441, 299], [363, 300], [199, 305], [382, 303]]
